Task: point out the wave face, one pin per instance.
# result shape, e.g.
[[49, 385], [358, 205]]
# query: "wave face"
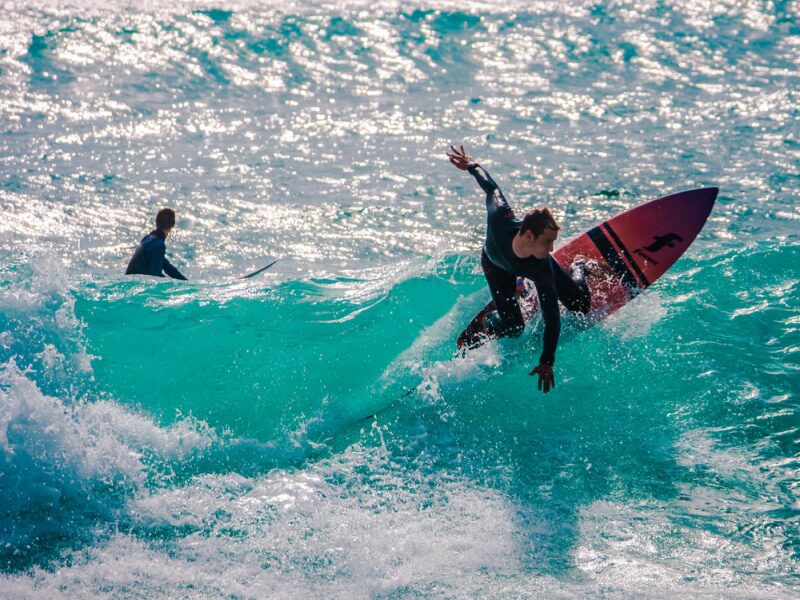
[[311, 432]]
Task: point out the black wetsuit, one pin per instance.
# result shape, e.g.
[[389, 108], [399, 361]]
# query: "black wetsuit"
[[150, 257], [501, 267]]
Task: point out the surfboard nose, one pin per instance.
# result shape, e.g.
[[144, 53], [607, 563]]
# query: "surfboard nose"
[[709, 194], [706, 197], [697, 202]]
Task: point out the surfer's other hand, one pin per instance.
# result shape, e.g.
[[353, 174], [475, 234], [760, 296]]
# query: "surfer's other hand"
[[460, 158], [546, 377]]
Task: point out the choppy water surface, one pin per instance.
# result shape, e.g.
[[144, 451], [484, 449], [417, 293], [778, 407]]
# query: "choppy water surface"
[[213, 438]]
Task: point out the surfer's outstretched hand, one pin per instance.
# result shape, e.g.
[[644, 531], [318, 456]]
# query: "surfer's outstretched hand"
[[546, 377], [460, 158]]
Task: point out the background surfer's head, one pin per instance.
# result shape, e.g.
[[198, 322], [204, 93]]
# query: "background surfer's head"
[[165, 219], [539, 231]]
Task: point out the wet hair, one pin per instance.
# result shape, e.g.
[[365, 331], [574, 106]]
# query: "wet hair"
[[165, 219], [538, 220]]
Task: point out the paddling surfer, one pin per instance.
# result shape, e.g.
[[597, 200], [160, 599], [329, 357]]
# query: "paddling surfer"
[[521, 247], [150, 257]]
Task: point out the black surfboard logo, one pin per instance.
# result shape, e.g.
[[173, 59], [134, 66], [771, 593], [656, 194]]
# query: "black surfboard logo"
[[661, 241], [668, 240]]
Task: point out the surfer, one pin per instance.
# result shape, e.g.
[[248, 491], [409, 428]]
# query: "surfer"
[[521, 247], [150, 257]]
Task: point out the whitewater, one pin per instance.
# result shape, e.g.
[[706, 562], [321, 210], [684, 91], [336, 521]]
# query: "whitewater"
[[311, 432]]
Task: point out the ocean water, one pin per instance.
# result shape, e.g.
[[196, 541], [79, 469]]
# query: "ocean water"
[[310, 432]]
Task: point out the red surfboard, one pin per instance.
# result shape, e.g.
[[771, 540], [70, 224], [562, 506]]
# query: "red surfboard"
[[632, 250]]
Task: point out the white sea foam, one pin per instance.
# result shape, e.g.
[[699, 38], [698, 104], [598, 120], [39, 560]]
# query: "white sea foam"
[[62, 463], [314, 534], [38, 305], [305, 534], [642, 551]]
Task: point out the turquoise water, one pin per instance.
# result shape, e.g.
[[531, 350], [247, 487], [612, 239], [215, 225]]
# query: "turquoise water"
[[257, 438]]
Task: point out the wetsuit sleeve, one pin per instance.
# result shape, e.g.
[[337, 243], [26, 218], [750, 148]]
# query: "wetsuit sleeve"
[[548, 303], [157, 260], [170, 270], [494, 196]]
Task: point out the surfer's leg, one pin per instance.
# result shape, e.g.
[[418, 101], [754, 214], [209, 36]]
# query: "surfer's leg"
[[503, 287], [573, 293]]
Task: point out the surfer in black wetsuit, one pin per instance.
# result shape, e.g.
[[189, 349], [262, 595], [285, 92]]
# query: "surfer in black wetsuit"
[[521, 247], [150, 257]]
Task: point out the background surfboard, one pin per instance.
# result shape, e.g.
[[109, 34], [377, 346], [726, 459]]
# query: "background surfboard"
[[632, 250], [261, 270]]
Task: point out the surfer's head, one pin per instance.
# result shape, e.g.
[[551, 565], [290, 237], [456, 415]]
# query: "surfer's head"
[[165, 220], [539, 232]]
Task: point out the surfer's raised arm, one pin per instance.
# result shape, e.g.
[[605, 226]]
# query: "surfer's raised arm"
[[462, 160]]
